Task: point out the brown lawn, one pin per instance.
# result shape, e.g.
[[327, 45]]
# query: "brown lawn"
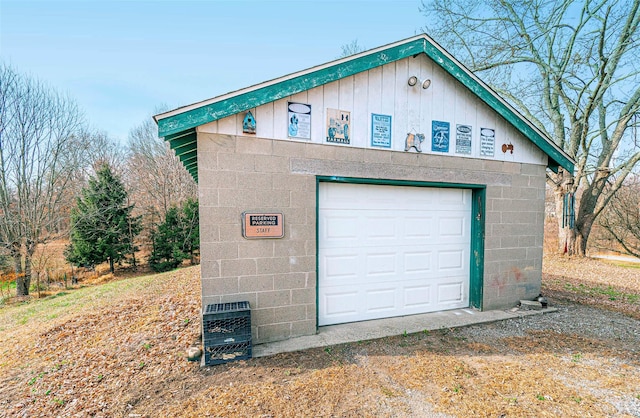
[[118, 349]]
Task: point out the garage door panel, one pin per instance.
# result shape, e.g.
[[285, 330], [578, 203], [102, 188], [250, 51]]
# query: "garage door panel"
[[451, 293], [379, 300], [418, 227], [452, 226], [381, 264], [452, 260], [340, 267], [418, 262], [391, 251], [452, 197], [417, 297], [380, 226], [340, 304], [340, 227]]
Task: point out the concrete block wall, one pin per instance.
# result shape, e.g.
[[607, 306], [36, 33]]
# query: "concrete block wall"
[[278, 276]]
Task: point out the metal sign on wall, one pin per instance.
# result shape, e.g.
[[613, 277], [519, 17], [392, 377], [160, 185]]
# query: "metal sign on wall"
[[262, 225]]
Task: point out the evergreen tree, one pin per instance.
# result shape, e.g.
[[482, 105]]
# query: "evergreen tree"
[[177, 238], [102, 227], [191, 227]]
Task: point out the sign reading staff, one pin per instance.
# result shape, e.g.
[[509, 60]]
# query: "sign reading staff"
[[262, 225]]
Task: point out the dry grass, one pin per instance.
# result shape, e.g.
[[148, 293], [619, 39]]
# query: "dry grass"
[[117, 349], [604, 283]]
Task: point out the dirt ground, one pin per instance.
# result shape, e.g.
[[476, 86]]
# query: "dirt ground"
[[118, 350]]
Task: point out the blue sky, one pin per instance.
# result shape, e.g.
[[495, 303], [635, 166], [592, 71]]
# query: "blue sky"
[[120, 60]]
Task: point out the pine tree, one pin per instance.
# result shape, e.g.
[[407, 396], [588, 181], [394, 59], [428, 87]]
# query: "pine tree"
[[191, 227], [177, 238], [102, 227]]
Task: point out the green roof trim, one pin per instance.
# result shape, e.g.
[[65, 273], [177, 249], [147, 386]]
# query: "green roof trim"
[[179, 126]]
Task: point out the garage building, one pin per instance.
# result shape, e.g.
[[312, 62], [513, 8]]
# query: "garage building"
[[392, 182]]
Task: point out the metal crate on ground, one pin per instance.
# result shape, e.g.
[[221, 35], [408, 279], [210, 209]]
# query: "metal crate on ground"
[[226, 328]]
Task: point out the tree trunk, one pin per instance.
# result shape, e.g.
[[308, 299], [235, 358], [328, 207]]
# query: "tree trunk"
[[566, 235], [22, 285], [111, 266]]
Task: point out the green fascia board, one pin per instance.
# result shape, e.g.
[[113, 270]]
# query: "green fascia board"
[[208, 113]]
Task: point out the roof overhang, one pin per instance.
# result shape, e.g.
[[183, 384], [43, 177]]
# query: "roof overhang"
[[178, 126]]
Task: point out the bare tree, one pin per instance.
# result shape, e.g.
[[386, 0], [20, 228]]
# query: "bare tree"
[[571, 68], [351, 48], [620, 220], [40, 148], [156, 178]]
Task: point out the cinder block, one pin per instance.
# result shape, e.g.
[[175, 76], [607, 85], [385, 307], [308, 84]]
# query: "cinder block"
[[533, 170], [351, 154], [219, 251], [302, 232], [271, 164], [320, 152], [273, 198], [207, 197], [408, 159], [208, 300], [209, 233], [290, 281], [261, 283], [257, 248], [373, 156], [290, 313], [302, 264], [273, 265], [236, 162], [295, 216], [253, 181], [295, 182], [241, 267], [220, 286], [262, 316], [209, 269], [216, 142], [207, 160], [530, 305], [300, 328], [303, 296], [219, 180], [494, 192], [238, 297], [231, 233], [302, 199], [254, 145], [288, 148], [272, 299], [493, 165], [273, 332], [287, 248]]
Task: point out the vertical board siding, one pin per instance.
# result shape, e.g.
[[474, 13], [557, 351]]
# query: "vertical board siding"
[[316, 100], [346, 102], [361, 117], [264, 114], [384, 90], [401, 111]]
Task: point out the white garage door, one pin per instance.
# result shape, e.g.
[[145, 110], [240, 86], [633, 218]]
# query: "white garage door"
[[388, 251]]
